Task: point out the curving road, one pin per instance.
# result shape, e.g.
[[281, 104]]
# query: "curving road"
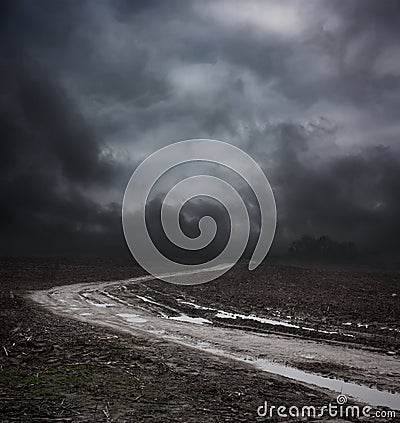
[[105, 304]]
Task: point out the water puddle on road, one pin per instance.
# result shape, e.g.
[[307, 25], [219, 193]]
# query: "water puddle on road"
[[221, 314], [365, 394], [370, 396], [132, 318]]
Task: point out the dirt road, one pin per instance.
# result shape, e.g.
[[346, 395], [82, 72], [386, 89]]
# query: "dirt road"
[[108, 304]]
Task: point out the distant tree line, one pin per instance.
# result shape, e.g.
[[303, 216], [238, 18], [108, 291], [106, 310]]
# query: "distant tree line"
[[322, 248]]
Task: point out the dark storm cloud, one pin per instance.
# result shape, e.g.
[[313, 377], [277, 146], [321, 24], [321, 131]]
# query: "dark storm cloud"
[[350, 197], [89, 89], [48, 157]]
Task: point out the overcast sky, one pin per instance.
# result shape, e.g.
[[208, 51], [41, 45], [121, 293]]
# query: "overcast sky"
[[89, 89]]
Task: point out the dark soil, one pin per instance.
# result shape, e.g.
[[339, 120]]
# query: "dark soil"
[[44, 273], [55, 369]]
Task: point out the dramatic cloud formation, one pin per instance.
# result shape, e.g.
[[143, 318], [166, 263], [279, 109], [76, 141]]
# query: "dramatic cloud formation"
[[89, 89]]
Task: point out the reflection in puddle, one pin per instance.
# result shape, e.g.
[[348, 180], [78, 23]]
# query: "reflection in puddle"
[[132, 318], [221, 314], [225, 315], [363, 393]]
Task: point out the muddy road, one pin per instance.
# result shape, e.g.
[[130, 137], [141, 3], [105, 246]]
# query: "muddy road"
[[134, 306]]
